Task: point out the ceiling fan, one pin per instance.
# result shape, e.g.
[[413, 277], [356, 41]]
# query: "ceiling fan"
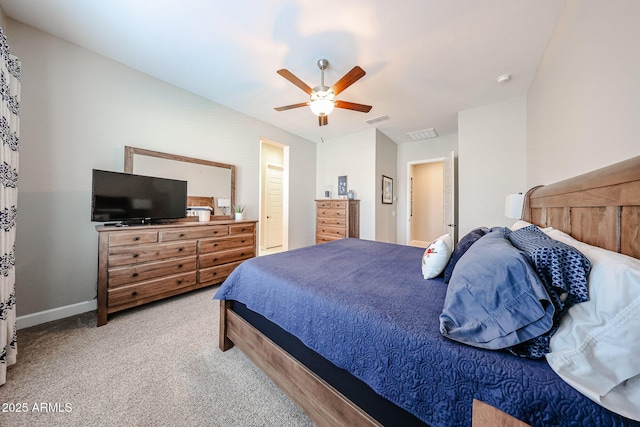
[[322, 99]]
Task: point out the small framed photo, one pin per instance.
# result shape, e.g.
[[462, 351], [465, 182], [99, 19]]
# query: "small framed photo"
[[342, 185], [387, 190]]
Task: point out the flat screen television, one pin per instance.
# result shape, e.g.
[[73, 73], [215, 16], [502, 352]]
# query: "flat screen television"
[[136, 199]]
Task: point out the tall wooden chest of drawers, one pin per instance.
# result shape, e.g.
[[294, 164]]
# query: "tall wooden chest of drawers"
[[140, 264], [337, 219]]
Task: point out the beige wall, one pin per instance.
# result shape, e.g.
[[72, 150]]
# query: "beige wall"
[[3, 20], [583, 107], [492, 143], [386, 164], [78, 111], [355, 157]]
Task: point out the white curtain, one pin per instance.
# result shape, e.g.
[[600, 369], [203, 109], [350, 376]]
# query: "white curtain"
[[9, 133]]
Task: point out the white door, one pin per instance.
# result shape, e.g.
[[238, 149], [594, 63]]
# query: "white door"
[[449, 194], [273, 206]]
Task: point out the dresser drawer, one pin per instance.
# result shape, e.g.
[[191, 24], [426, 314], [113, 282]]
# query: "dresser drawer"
[[339, 204], [323, 205], [242, 229], [223, 257], [132, 238], [332, 213], [195, 233], [214, 245], [332, 222], [216, 274], [325, 238], [143, 290], [123, 255], [119, 276], [332, 231]]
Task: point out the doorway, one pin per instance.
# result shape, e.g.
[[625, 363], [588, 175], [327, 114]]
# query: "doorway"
[[273, 206], [431, 200], [274, 197]]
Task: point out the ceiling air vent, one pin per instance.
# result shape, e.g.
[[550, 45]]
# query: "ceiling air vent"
[[423, 134], [377, 119]]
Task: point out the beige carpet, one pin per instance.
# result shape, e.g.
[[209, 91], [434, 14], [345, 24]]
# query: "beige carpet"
[[156, 365]]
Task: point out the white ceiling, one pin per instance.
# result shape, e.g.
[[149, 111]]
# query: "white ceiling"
[[425, 60]]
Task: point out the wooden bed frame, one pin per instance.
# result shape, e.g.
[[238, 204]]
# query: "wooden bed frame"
[[601, 208]]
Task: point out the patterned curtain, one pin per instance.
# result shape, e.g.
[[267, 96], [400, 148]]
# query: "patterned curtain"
[[9, 133]]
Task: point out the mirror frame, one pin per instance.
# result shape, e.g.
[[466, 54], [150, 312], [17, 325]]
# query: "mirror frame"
[[130, 152]]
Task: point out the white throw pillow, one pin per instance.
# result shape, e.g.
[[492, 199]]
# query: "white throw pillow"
[[596, 347], [519, 224], [436, 256], [522, 224]]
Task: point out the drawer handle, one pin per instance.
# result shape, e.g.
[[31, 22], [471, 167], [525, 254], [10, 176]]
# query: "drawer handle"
[[134, 275], [215, 245], [215, 232], [214, 273], [181, 235], [179, 281], [179, 265], [135, 239], [136, 255], [180, 249], [242, 241], [134, 293]]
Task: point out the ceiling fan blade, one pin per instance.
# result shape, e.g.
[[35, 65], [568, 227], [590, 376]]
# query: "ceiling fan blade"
[[323, 120], [348, 79], [289, 107], [353, 106], [296, 81]]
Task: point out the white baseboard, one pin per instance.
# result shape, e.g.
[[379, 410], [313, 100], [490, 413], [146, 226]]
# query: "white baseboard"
[[55, 314]]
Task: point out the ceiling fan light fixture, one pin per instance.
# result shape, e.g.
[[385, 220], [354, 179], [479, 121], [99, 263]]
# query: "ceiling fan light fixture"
[[322, 101]]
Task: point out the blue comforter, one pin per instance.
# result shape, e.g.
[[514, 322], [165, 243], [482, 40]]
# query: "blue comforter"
[[365, 307]]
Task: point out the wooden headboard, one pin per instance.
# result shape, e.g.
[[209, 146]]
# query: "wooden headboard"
[[601, 208]]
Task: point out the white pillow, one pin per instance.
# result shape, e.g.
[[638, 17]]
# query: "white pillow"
[[436, 256], [596, 347], [519, 224], [522, 224]]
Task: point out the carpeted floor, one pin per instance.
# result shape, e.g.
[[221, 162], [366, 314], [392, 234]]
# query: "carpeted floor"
[[156, 365]]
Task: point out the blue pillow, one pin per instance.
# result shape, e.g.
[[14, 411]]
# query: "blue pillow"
[[563, 271], [495, 299], [463, 245]]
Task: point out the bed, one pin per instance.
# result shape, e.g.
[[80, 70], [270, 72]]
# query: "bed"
[[333, 365]]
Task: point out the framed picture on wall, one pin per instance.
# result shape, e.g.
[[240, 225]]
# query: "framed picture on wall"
[[342, 185], [387, 190]]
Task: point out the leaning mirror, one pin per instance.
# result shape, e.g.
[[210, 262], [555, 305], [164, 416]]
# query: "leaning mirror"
[[208, 183]]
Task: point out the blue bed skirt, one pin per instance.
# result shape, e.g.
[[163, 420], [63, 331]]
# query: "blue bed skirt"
[[365, 307]]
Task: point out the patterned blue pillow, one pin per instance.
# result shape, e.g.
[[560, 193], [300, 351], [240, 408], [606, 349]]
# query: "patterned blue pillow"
[[562, 269]]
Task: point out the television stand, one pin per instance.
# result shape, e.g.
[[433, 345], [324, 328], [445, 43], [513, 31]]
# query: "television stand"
[[139, 263]]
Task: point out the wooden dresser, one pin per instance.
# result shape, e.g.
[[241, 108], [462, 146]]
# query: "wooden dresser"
[[337, 219], [140, 264]]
